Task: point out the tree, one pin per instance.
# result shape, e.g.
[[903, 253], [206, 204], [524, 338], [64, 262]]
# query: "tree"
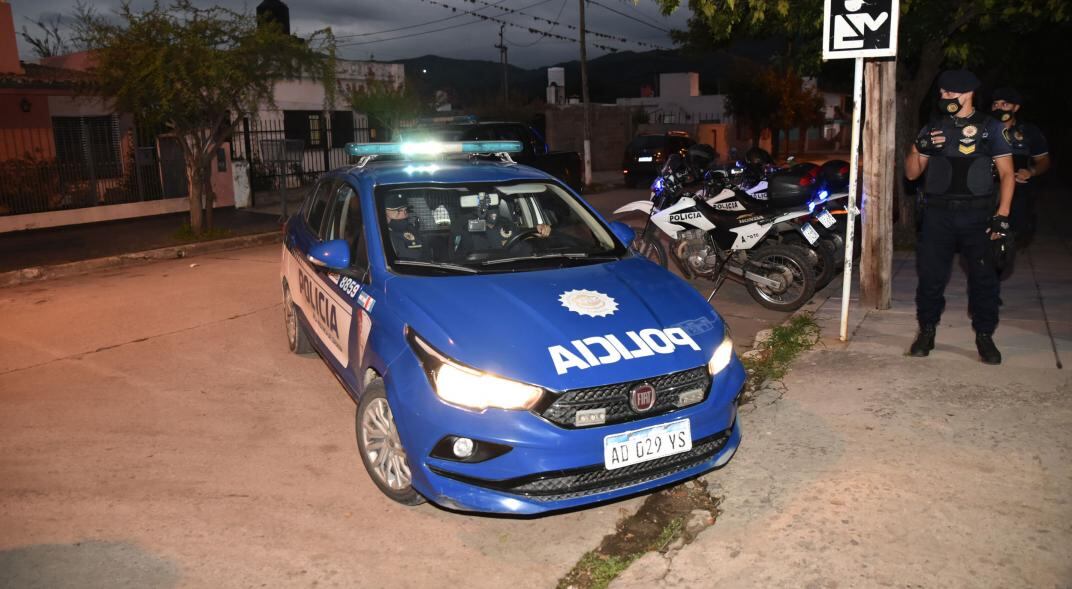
[[390, 105], [48, 41], [767, 98], [194, 72], [932, 34]]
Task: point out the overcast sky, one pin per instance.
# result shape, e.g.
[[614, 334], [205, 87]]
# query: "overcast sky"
[[368, 28]]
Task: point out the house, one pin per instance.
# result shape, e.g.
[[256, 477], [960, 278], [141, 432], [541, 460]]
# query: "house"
[[68, 158]]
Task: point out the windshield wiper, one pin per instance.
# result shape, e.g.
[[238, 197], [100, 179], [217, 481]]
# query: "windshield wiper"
[[549, 256], [439, 265]]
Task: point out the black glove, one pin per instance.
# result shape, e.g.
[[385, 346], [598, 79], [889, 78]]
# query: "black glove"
[[925, 143], [999, 224]]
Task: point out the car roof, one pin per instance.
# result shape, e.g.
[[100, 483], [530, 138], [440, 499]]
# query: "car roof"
[[447, 172]]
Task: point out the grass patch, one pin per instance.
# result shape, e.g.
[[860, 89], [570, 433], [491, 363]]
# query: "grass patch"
[[787, 341], [658, 523], [187, 234]]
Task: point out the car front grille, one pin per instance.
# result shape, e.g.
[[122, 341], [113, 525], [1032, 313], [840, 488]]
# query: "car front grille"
[[614, 398], [596, 479]]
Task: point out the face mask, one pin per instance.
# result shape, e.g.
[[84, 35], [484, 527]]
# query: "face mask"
[[949, 106], [1001, 114]]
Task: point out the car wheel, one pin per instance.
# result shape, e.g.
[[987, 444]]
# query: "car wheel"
[[381, 449], [297, 339]]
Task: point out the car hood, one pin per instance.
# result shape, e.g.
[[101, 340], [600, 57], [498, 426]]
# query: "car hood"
[[564, 328]]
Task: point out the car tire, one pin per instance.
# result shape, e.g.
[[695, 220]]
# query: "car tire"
[[381, 449], [297, 339]]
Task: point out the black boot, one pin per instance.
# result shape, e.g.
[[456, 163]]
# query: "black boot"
[[924, 342], [984, 342]]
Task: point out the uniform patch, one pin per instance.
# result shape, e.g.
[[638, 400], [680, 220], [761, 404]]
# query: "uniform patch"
[[408, 236], [970, 131], [588, 302], [1018, 135], [952, 107], [966, 149]]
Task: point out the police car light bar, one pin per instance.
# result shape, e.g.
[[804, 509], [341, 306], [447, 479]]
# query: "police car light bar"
[[419, 148]]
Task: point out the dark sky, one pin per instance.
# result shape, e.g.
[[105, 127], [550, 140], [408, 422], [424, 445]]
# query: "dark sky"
[[361, 26]]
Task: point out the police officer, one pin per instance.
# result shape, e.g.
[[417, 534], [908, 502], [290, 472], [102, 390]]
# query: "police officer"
[[404, 233], [954, 154], [1030, 158]]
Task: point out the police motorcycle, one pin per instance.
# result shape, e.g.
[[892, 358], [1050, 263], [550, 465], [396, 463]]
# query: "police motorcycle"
[[710, 239], [824, 186]]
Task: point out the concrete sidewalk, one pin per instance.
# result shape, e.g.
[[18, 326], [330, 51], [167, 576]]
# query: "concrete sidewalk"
[[871, 468]]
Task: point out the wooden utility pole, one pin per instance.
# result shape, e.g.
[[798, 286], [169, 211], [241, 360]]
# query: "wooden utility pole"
[[584, 104], [876, 263], [504, 60]]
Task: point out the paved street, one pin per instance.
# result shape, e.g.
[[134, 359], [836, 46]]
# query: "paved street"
[[155, 431]]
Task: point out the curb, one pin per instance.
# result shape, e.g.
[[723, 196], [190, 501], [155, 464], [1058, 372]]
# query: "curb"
[[39, 273]]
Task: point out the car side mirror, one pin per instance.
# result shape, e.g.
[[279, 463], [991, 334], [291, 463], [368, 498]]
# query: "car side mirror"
[[623, 232], [333, 255]]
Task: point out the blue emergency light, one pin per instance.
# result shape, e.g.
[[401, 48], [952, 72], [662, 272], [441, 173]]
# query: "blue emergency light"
[[432, 148]]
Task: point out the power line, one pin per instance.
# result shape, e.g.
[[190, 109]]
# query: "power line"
[[629, 16], [543, 36], [431, 22], [553, 23]]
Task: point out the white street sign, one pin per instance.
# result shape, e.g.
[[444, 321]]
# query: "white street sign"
[[860, 28]]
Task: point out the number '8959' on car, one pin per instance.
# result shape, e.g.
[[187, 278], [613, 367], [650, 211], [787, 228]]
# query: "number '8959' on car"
[[507, 351]]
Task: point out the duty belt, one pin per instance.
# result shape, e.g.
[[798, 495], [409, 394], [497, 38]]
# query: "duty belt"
[[971, 202]]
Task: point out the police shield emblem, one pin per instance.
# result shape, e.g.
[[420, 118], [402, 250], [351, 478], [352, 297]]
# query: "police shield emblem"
[[970, 131]]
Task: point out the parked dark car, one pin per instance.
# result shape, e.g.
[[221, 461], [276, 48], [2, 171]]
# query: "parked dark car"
[[645, 154], [564, 165]]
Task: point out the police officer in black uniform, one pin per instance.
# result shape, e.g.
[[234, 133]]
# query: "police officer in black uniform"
[[1030, 158], [955, 154], [404, 233]]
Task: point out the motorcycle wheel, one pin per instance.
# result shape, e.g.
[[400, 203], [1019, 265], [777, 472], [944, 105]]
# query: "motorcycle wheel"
[[824, 264], [785, 264], [649, 246]]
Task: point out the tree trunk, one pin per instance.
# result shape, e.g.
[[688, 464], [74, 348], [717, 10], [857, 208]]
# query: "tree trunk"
[[880, 91], [193, 183]]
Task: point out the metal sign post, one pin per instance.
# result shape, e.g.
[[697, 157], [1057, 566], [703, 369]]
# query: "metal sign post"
[[857, 29]]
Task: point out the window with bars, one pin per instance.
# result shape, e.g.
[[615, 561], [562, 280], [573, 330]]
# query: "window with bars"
[[88, 147]]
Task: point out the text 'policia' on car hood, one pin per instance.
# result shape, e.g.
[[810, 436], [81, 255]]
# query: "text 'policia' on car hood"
[[581, 327]]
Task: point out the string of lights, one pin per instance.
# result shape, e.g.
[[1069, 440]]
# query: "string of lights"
[[520, 12]]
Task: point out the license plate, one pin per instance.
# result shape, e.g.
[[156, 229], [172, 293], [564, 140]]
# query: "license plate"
[[650, 443], [809, 233], [827, 219], [644, 158]]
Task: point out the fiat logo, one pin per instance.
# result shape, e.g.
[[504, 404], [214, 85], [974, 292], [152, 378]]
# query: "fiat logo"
[[642, 398]]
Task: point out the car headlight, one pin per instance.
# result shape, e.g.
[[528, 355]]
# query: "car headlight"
[[722, 356], [468, 387]]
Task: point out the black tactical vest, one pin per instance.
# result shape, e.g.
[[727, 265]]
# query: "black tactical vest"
[[964, 168]]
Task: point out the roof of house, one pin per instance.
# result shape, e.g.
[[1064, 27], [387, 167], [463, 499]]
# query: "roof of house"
[[43, 76]]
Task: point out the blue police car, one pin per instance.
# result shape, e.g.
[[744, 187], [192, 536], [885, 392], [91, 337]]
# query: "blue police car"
[[506, 349]]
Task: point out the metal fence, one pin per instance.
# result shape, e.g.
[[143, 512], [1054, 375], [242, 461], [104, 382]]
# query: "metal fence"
[[84, 162], [322, 138]]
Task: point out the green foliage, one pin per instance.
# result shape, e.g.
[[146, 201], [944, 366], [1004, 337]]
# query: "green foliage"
[[768, 98], [787, 341], [387, 105], [956, 24]]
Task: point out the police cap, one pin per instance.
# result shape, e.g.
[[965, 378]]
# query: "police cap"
[[394, 201], [1008, 94], [958, 81]]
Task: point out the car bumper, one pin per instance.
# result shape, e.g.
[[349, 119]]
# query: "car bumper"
[[551, 468]]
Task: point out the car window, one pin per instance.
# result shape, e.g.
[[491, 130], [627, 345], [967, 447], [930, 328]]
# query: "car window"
[[510, 133], [318, 204], [648, 142], [339, 221], [490, 227]]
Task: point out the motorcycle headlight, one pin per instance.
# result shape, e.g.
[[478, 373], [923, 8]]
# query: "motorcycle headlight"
[[722, 356], [468, 387]]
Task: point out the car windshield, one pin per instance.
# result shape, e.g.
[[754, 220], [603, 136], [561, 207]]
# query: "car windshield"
[[489, 227]]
